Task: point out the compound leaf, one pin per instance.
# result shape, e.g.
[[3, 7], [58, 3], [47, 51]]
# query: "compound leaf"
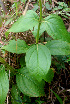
[[29, 85], [58, 47], [38, 61], [4, 84], [18, 46]]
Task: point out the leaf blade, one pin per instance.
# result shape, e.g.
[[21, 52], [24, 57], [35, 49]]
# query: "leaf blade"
[[4, 84], [55, 27], [58, 47], [59, 99], [38, 61], [49, 76], [25, 23], [18, 46], [29, 85]]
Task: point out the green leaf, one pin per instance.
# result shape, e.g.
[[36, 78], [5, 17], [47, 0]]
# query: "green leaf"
[[59, 99], [48, 6], [23, 1], [62, 4], [55, 27], [60, 7], [15, 95], [35, 7], [18, 46], [50, 1], [4, 84], [26, 99], [66, 9], [25, 23], [22, 61], [38, 61], [6, 34], [58, 47], [29, 85], [49, 76]]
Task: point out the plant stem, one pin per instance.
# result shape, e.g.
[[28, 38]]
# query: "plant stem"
[[40, 19], [7, 65], [40, 3]]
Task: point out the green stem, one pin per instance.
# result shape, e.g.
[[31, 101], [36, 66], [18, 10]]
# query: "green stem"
[[7, 65], [40, 19]]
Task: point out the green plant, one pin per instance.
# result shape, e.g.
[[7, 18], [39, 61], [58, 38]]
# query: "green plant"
[[62, 9], [4, 84], [31, 77], [59, 99]]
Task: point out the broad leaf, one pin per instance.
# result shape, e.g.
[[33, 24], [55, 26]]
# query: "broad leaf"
[[58, 47], [55, 27], [49, 76], [4, 84], [59, 99], [38, 61], [25, 23], [15, 95], [29, 85], [18, 46]]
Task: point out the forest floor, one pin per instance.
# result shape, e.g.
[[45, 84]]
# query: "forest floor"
[[61, 80]]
